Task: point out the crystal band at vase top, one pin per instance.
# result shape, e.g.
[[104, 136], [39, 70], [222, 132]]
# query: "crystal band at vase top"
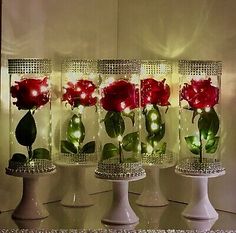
[[156, 106], [30, 115], [199, 117], [119, 119], [79, 116]]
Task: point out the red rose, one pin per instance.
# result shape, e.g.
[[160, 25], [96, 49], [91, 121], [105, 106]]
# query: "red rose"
[[30, 93], [200, 94], [118, 96], [80, 93], [154, 92]]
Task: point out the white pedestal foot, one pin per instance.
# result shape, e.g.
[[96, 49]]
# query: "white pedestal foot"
[[76, 195], [120, 211], [199, 206], [29, 206], [152, 194], [200, 225]]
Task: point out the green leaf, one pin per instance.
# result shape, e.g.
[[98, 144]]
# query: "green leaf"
[[161, 132], [154, 138], [162, 149], [18, 157], [68, 147], [130, 160], [153, 120], [114, 124], [143, 148], [130, 115], [76, 130], [109, 151], [208, 124], [41, 153], [212, 144], [26, 130], [89, 147], [193, 144], [130, 142]]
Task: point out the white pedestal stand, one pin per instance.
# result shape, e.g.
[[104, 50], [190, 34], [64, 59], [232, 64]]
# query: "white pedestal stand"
[[30, 207], [152, 216], [199, 206], [152, 194], [76, 194], [200, 225], [120, 212], [28, 224]]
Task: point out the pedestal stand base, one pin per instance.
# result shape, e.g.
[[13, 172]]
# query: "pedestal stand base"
[[200, 225], [199, 206], [152, 194], [76, 194], [120, 212], [120, 174], [30, 207]]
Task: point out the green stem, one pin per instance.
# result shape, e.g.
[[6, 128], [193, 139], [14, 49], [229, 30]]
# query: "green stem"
[[30, 153], [200, 139], [120, 153]]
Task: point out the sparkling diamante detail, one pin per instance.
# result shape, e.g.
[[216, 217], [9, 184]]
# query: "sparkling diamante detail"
[[192, 166], [29, 66], [119, 66], [161, 160], [200, 67], [34, 166], [114, 170], [79, 66], [149, 67]]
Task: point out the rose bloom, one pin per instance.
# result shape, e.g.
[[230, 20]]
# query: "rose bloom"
[[80, 93], [200, 93], [118, 96], [154, 92], [30, 93]]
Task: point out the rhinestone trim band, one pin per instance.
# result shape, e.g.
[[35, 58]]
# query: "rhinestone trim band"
[[200, 67], [161, 160], [80, 66], [119, 171], [192, 166], [29, 66], [119, 66], [82, 158], [34, 166], [110, 230], [155, 67]]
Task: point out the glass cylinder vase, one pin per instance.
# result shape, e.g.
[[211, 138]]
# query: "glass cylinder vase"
[[30, 115], [119, 120], [79, 124], [156, 141], [199, 127]]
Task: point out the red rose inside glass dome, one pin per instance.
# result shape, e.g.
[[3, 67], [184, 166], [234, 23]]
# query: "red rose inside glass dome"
[[154, 92], [30, 93], [118, 96], [200, 94], [80, 93]]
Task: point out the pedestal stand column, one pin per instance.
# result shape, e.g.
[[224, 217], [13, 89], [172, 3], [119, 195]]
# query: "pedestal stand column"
[[152, 194], [120, 211], [77, 194], [199, 206]]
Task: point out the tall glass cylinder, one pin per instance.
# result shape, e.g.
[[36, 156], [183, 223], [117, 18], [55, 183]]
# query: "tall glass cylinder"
[[199, 127], [30, 115], [79, 116], [119, 119], [156, 85]]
